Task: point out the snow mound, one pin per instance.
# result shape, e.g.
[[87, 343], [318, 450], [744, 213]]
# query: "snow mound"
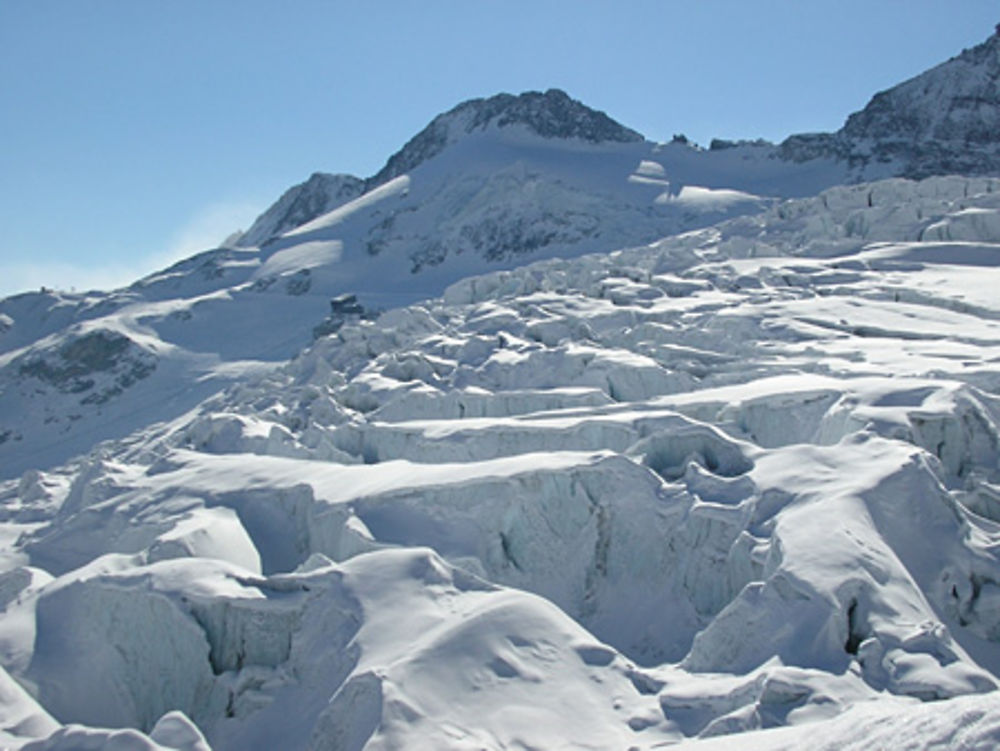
[[237, 653]]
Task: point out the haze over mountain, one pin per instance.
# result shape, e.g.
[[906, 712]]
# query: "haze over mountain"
[[543, 436]]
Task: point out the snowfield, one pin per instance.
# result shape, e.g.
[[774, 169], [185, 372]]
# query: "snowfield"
[[655, 454]]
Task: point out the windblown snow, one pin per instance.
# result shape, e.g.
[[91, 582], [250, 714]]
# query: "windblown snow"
[[736, 486]]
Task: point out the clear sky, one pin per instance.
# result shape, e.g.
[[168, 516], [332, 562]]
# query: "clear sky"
[[135, 132]]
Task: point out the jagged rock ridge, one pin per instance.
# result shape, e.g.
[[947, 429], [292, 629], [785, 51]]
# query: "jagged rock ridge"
[[943, 121]]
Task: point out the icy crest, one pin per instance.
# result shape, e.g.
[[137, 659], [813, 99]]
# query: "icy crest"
[[302, 203]]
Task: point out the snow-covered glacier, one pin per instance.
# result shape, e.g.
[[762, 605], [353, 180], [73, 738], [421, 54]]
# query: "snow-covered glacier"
[[731, 482], [741, 478]]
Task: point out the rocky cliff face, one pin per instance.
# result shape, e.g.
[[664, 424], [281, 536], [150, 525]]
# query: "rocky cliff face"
[[944, 121]]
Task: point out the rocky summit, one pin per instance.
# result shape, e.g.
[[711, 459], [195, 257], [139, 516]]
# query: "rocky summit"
[[944, 121]]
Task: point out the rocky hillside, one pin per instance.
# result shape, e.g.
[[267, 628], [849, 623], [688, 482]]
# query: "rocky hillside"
[[944, 121]]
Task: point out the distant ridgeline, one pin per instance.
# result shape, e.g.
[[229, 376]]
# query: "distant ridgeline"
[[944, 121]]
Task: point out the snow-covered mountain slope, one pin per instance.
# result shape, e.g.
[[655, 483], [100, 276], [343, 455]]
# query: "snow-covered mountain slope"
[[941, 122], [552, 148], [944, 121], [317, 195], [490, 185], [742, 478]]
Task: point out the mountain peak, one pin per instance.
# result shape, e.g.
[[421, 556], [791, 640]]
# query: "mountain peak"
[[942, 121], [958, 98], [549, 114]]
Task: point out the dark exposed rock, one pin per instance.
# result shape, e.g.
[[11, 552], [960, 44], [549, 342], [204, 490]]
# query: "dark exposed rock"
[[344, 305], [302, 203], [299, 283], [343, 308], [944, 121], [721, 144], [552, 114], [81, 363]]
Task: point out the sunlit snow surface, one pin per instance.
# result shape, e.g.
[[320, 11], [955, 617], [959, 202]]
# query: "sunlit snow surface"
[[744, 480]]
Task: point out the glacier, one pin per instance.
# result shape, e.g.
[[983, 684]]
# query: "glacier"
[[545, 436]]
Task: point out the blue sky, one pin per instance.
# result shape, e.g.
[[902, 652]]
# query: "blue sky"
[[136, 132]]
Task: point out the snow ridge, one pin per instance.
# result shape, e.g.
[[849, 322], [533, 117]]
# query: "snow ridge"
[[302, 203], [943, 121], [552, 114]]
